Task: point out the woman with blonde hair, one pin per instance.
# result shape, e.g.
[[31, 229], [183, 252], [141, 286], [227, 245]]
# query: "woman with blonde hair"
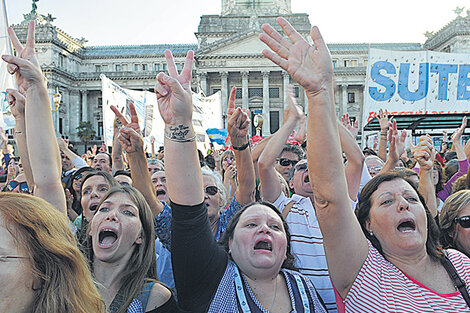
[[41, 268], [454, 221]]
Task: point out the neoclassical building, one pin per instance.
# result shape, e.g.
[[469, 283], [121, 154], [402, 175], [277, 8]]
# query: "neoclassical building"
[[227, 53]]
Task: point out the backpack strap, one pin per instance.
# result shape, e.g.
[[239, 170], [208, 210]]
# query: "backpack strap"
[[456, 279]]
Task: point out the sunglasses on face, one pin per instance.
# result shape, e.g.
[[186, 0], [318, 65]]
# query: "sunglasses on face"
[[23, 186], [287, 162], [211, 190], [375, 168], [463, 221]]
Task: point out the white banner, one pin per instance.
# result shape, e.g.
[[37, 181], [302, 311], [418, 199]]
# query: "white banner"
[[418, 82], [7, 121], [206, 112]]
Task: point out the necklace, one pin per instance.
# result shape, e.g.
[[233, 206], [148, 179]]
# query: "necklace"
[[275, 295]]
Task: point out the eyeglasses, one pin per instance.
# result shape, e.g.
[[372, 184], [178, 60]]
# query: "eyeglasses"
[[287, 162], [5, 258], [79, 176], [463, 221], [23, 186], [211, 190], [375, 168], [301, 167]]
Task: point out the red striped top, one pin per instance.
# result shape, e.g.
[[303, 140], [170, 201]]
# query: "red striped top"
[[382, 287]]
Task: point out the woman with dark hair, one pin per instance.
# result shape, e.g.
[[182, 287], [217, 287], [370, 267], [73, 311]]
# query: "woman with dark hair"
[[123, 254], [389, 260], [93, 188], [207, 280], [74, 195]]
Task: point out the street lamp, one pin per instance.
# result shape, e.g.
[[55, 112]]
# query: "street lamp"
[[56, 98]]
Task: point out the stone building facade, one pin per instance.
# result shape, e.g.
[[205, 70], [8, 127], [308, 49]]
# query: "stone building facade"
[[227, 53]]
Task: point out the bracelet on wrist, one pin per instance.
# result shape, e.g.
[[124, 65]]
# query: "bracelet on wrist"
[[241, 148]]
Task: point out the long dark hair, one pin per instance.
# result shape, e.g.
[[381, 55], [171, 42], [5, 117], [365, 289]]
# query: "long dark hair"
[[433, 247], [228, 234]]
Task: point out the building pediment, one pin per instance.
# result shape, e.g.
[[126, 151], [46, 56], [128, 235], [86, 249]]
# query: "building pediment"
[[246, 43]]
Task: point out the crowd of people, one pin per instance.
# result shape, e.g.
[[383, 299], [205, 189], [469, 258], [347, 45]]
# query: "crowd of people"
[[302, 221]]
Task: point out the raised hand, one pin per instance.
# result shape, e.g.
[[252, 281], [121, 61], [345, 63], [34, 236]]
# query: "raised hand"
[[397, 141], [309, 65], [25, 65], [352, 127], [424, 153], [458, 133], [16, 101], [238, 121], [174, 92], [129, 136], [382, 117], [293, 111], [62, 144], [134, 123]]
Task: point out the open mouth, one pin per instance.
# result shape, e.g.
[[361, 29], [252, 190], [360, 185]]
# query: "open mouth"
[[107, 237], [93, 207], [306, 179], [161, 192], [407, 226], [263, 245]]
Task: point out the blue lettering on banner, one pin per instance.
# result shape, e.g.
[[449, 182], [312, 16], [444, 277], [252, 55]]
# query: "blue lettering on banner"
[[388, 83], [463, 83], [443, 70], [423, 82], [381, 68]]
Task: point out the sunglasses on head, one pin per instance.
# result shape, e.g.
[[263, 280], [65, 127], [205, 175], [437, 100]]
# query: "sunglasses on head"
[[79, 176], [376, 168], [211, 190], [463, 221], [301, 167], [23, 186], [287, 162]]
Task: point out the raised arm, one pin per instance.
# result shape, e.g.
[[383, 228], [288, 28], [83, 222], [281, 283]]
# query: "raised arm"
[[424, 153], [270, 184], [183, 172], [77, 161], [396, 148], [345, 245], [132, 142], [384, 126], [17, 102], [353, 168], [116, 152], [44, 153], [238, 126]]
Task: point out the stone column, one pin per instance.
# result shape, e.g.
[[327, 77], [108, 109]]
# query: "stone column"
[[68, 116], [266, 122], [245, 104], [84, 105], [55, 115], [224, 95], [75, 114], [203, 77], [344, 102], [361, 110], [305, 101], [285, 84]]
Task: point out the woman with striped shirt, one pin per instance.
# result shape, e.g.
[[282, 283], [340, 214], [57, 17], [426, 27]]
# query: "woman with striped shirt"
[[390, 260]]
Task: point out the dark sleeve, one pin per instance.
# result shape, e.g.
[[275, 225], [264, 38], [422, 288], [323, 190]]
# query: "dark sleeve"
[[169, 307], [198, 261]]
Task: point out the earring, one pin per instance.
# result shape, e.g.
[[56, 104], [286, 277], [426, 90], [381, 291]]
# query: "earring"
[[371, 233]]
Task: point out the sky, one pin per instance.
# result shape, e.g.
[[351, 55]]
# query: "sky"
[[124, 22]]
